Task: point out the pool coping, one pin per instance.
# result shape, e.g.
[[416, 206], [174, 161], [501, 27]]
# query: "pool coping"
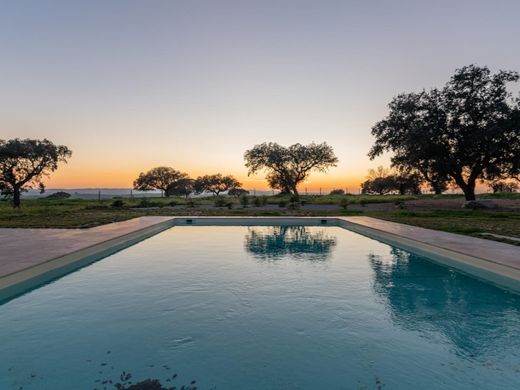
[[504, 272]]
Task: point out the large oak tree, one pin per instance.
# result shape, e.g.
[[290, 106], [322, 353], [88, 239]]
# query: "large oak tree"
[[215, 184], [25, 162], [465, 132], [287, 167], [160, 178]]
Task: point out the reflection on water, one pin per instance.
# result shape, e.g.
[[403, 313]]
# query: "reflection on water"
[[476, 317], [274, 242]]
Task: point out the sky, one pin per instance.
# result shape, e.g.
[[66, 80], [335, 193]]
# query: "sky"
[[130, 85]]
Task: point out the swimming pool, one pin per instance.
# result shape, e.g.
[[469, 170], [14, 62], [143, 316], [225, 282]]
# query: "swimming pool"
[[263, 307]]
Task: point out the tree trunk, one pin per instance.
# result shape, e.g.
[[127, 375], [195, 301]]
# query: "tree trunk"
[[16, 197], [468, 188], [295, 191], [469, 192]]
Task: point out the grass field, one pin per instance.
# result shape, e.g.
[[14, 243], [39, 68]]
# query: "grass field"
[[77, 213]]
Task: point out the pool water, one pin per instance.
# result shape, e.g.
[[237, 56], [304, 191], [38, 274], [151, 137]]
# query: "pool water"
[[287, 307]]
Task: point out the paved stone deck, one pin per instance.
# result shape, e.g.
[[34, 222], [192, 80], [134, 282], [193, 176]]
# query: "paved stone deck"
[[497, 252], [24, 248]]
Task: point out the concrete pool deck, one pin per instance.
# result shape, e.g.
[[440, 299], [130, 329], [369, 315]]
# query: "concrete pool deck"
[[29, 253], [24, 248]]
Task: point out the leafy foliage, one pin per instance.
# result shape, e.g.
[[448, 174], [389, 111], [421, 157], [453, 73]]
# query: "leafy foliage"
[[161, 178], [467, 131], [287, 167], [181, 187], [24, 164], [215, 184], [238, 192], [383, 181], [503, 186], [59, 195]]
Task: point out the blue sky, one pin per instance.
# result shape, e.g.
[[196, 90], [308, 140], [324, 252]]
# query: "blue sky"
[[129, 85]]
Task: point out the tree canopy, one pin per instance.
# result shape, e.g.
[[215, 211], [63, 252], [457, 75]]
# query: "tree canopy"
[[215, 184], [287, 167], [383, 181], [181, 187], [25, 162], [160, 178], [467, 131]]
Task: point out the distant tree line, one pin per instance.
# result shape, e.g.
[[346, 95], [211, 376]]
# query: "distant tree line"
[[175, 183]]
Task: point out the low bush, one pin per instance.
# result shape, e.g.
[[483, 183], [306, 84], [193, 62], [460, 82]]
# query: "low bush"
[[145, 202], [244, 201], [219, 201], [399, 204], [118, 203], [59, 195], [257, 202]]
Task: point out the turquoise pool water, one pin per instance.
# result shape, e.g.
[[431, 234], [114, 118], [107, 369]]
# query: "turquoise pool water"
[[263, 308]]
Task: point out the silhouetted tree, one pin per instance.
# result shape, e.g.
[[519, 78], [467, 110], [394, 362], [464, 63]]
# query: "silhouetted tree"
[[379, 185], [383, 181], [468, 131], [238, 192], [25, 162], [408, 183], [337, 191], [215, 184], [289, 166], [182, 187], [503, 186], [160, 178]]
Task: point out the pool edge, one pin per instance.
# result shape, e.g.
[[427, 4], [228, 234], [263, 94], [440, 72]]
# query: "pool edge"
[[16, 283], [19, 282], [498, 274]]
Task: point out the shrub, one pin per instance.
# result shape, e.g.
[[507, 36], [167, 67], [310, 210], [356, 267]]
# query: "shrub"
[[118, 203], [337, 191], [97, 207], [399, 204], [282, 203], [229, 204], [257, 201], [293, 206], [145, 202], [219, 201], [172, 203], [343, 203], [264, 200], [244, 200], [190, 203], [58, 195]]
